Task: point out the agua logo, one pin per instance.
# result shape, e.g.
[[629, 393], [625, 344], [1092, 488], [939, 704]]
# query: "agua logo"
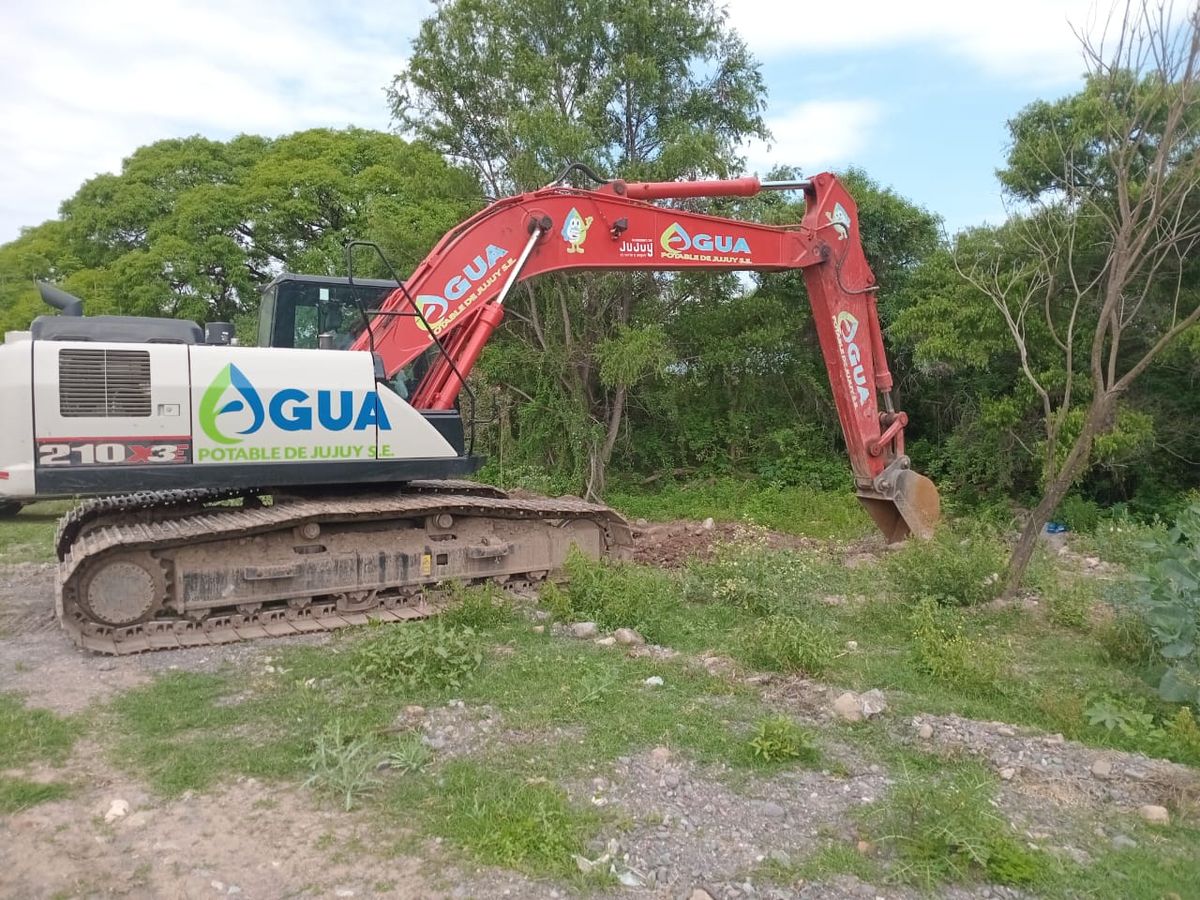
[[434, 307], [675, 240], [290, 409], [856, 376]]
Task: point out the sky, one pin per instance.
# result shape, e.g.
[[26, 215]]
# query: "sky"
[[916, 93]]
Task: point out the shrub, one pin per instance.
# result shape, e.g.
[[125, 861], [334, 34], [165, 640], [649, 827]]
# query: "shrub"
[[1078, 514], [952, 570], [788, 644], [1125, 639], [1168, 601], [779, 739], [942, 650], [428, 656], [1176, 738], [944, 827]]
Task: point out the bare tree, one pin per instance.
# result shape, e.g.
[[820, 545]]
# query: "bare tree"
[[1114, 216]]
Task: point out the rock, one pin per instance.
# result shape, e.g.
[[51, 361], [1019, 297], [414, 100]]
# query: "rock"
[[760, 679], [1093, 562], [1008, 773], [851, 646], [538, 629], [628, 636], [660, 755], [671, 780], [1102, 768], [709, 524], [781, 858], [116, 810], [641, 523], [217, 885], [872, 703], [606, 641], [1123, 842], [925, 732], [584, 629], [771, 810], [700, 894], [653, 681], [847, 707], [1155, 815], [414, 711], [864, 847]]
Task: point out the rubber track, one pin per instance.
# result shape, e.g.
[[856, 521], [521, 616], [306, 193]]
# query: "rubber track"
[[70, 525], [221, 523]]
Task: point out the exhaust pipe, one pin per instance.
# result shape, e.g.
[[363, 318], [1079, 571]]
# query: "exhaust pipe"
[[67, 304]]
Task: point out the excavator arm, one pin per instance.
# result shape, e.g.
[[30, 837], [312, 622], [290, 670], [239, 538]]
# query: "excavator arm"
[[456, 297]]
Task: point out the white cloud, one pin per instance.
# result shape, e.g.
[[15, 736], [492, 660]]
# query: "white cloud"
[[85, 84], [815, 135], [1027, 40]]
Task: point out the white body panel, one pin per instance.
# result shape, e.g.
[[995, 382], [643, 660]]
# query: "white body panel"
[[251, 405], [201, 406], [16, 419]]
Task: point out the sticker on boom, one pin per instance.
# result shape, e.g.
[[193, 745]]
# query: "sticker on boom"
[[677, 243], [852, 364]]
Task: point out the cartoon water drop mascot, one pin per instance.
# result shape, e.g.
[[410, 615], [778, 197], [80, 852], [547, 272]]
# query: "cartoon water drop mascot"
[[574, 230]]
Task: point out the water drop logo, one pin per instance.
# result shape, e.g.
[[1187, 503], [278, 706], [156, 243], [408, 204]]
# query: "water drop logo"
[[575, 230], [675, 239], [214, 405], [847, 326]]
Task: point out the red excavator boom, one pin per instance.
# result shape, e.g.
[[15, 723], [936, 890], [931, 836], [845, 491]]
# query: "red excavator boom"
[[456, 297]]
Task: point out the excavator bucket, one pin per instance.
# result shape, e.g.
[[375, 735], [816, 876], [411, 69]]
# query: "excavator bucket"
[[911, 506]]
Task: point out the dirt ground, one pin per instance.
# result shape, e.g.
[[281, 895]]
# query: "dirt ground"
[[686, 833]]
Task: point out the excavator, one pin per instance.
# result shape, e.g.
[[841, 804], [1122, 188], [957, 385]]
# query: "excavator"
[[316, 481]]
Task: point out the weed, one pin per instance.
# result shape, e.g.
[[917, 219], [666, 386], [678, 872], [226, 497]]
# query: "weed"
[[33, 735], [944, 827], [1126, 640], [615, 596], [501, 819], [952, 569], [1068, 602], [1176, 737], [480, 608], [431, 655], [17, 794], [779, 739], [410, 755], [1169, 603], [788, 644], [792, 509], [1122, 540], [343, 765], [943, 651], [750, 577]]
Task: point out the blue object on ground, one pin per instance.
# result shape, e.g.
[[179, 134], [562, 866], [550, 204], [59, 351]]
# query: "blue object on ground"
[[1055, 528]]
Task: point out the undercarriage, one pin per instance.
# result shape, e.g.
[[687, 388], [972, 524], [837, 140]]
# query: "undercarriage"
[[157, 571]]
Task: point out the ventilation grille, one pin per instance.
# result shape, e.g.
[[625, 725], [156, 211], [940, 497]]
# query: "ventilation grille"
[[103, 383]]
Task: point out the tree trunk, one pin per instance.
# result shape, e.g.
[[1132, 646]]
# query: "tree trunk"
[[1056, 490]]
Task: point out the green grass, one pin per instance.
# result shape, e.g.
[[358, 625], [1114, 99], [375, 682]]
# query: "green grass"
[[17, 794], [942, 827], [29, 736], [29, 535], [794, 510], [499, 818]]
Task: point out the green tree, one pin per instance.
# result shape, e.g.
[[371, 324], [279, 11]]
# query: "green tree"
[[194, 228], [650, 89], [1095, 280]]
